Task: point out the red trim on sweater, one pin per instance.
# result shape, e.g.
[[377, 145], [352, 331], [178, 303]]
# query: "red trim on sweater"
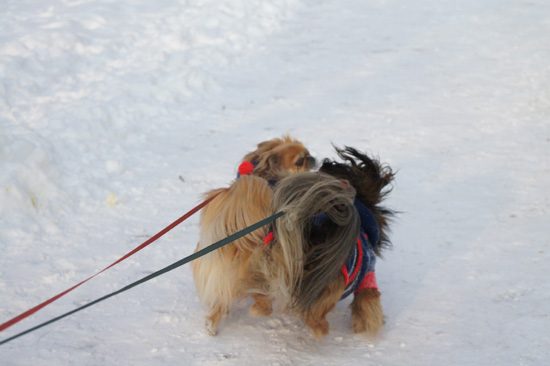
[[359, 260], [346, 274], [368, 282]]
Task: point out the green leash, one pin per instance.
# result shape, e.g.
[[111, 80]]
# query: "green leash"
[[167, 269]]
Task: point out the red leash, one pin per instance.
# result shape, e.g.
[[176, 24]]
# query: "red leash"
[[28, 313]]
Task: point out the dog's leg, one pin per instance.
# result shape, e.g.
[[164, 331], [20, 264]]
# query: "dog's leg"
[[315, 317], [213, 319], [253, 283], [262, 305], [366, 312]]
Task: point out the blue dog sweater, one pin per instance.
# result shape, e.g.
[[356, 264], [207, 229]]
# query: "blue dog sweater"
[[358, 270]]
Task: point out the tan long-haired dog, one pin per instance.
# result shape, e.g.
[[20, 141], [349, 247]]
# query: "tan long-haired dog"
[[324, 248], [219, 274]]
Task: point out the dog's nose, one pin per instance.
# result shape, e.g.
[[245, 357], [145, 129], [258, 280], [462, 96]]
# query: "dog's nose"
[[311, 162]]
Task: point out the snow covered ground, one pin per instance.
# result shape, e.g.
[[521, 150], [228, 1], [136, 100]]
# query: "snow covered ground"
[[116, 115]]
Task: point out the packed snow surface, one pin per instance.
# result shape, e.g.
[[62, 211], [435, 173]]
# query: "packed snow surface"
[[115, 117]]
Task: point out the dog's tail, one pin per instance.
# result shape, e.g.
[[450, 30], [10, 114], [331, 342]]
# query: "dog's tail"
[[315, 236]]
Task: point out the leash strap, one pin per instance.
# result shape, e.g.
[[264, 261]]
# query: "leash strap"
[[169, 268], [29, 312]]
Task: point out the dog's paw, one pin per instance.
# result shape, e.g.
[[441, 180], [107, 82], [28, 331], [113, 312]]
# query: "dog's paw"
[[211, 328], [370, 326], [320, 328], [261, 307], [366, 312], [213, 320], [257, 310]]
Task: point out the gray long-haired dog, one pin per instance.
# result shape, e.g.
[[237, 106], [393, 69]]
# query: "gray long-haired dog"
[[325, 246]]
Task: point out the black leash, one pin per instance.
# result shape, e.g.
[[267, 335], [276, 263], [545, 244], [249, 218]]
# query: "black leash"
[[169, 268]]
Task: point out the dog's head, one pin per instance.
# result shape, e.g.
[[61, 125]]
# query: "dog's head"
[[277, 158]]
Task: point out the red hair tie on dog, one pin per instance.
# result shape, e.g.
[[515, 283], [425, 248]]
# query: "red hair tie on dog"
[[246, 168]]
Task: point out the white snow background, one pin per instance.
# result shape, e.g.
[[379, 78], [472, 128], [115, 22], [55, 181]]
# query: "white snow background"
[[115, 116]]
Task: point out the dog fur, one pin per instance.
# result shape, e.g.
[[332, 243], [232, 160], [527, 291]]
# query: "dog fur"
[[301, 266], [218, 276]]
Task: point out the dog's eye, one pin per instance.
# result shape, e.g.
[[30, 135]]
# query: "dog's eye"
[[299, 162]]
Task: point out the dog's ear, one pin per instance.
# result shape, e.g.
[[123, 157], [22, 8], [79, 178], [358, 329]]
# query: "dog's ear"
[[267, 165], [269, 145], [273, 161], [263, 149]]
